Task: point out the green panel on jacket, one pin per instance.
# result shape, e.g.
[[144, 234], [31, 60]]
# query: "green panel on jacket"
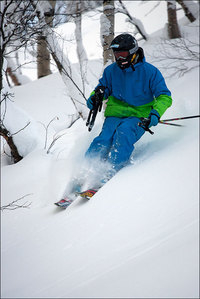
[[118, 108]]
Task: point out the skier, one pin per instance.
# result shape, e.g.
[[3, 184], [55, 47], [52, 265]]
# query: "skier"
[[134, 89]]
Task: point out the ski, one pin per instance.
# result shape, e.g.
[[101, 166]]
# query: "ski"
[[87, 194], [64, 203], [67, 201]]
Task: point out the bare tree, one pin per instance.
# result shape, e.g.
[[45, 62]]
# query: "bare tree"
[[176, 57], [15, 35], [173, 28]]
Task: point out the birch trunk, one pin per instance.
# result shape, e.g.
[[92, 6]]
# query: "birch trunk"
[[107, 30], [173, 29]]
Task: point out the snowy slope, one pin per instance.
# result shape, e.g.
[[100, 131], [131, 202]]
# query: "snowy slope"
[[137, 238]]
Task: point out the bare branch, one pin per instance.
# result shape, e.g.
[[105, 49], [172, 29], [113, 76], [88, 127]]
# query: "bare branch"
[[21, 129], [181, 56], [153, 8], [59, 136], [14, 204], [47, 128]]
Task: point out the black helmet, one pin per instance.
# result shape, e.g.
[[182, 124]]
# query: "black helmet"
[[124, 41], [124, 47]]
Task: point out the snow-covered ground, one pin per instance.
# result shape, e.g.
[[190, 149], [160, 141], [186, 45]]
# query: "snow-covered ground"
[[137, 238]]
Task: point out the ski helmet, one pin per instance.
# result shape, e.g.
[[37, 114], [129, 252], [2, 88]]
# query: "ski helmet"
[[124, 47]]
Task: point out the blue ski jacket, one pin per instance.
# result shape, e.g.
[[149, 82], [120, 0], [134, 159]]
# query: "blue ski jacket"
[[135, 92]]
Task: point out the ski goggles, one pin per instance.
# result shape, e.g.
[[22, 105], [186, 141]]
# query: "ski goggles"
[[121, 54]]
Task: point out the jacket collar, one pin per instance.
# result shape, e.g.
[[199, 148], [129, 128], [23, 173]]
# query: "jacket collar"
[[130, 69]]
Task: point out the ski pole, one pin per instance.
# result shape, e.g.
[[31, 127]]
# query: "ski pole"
[[165, 123], [145, 122], [98, 98], [93, 114], [179, 118]]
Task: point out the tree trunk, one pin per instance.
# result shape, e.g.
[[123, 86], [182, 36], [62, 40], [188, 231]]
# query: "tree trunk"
[[187, 12], [12, 76], [1, 69], [81, 53], [107, 30], [43, 58], [8, 137], [43, 55], [173, 29]]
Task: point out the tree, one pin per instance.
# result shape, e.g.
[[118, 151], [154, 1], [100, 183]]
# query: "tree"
[[43, 55], [81, 53], [173, 29], [21, 24], [43, 58], [107, 30], [16, 29]]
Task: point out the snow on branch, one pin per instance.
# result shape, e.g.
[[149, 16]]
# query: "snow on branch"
[[136, 22]]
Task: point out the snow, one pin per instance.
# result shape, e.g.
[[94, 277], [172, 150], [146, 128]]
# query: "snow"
[[137, 238]]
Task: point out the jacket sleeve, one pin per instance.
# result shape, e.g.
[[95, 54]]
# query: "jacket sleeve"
[[163, 99], [105, 80], [161, 104]]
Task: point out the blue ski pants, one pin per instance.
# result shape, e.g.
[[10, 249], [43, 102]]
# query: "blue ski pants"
[[115, 143]]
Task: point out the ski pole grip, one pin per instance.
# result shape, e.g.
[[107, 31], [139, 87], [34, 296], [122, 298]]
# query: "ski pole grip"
[[98, 99]]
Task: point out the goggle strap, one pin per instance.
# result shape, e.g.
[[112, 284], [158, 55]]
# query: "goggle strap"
[[133, 57], [133, 50]]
